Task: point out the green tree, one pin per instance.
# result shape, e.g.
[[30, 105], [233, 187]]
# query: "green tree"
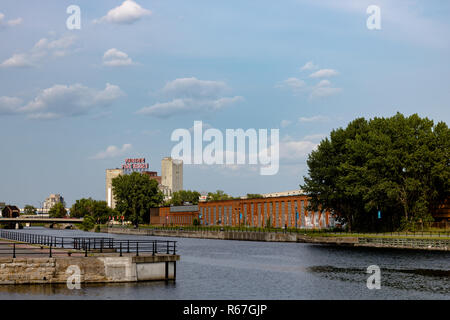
[[29, 210], [218, 195], [135, 194], [254, 196], [182, 196], [57, 211], [96, 209], [88, 223], [397, 165]]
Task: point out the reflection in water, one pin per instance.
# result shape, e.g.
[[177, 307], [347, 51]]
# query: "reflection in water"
[[95, 290], [407, 279]]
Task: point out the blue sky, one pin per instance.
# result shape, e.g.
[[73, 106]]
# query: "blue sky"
[[70, 99]]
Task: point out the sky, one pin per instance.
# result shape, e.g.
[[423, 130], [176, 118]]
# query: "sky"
[[74, 102]]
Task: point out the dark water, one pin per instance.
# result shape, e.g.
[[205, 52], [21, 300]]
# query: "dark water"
[[222, 269]]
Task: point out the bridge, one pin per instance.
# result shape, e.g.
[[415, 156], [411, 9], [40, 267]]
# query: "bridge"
[[67, 222]]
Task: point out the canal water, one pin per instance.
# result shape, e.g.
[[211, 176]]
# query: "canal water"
[[238, 270]]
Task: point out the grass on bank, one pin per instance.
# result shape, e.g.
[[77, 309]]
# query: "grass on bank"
[[440, 234]]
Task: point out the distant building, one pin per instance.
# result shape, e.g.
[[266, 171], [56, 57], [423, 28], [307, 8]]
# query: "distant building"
[[10, 212], [2, 206], [171, 179], [172, 175], [283, 193], [110, 175], [52, 200], [175, 215], [153, 175]]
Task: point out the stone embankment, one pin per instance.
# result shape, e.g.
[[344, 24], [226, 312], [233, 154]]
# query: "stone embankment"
[[378, 242]]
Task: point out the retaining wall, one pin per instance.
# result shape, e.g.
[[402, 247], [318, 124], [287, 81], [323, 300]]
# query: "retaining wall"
[[95, 269], [403, 243]]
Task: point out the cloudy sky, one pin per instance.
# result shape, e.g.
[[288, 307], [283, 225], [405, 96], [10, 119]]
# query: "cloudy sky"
[[75, 102]]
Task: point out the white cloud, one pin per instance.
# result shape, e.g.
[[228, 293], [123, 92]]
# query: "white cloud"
[[9, 105], [62, 100], [44, 116], [313, 119], [321, 92], [112, 152], [324, 73], [10, 23], [308, 66], [43, 48], [294, 84], [116, 58], [285, 123], [323, 89], [194, 88], [191, 95], [62, 43], [323, 83], [296, 150], [127, 13], [17, 60], [187, 105]]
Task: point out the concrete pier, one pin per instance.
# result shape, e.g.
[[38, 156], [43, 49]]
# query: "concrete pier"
[[45, 262], [93, 269]]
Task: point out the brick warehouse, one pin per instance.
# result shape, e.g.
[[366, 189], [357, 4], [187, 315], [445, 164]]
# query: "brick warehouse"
[[281, 211]]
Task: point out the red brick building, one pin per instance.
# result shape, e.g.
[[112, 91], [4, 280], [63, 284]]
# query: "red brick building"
[[282, 211], [177, 215], [278, 212]]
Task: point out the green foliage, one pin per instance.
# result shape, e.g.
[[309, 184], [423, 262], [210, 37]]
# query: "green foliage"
[[57, 211], [269, 223], [135, 194], [29, 210], [88, 223], [98, 210], [218, 195], [398, 165], [254, 196], [182, 196], [196, 222]]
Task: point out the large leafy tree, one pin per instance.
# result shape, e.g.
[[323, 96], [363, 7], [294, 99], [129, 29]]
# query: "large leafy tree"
[[182, 196], [57, 211], [398, 165], [96, 209], [135, 194], [29, 210]]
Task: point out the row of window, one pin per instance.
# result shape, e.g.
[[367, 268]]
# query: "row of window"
[[277, 214]]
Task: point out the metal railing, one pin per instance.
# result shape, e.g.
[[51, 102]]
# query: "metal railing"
[[42, 244]]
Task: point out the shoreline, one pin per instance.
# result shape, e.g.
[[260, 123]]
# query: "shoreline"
[[414, 243]]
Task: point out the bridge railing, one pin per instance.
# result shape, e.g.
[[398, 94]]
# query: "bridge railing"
[[81, 244]]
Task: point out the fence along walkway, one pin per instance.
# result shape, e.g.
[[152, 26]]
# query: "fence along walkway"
[[29, 244]]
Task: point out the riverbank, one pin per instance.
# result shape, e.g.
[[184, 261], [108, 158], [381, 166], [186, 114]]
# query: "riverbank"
[[378, 241]]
